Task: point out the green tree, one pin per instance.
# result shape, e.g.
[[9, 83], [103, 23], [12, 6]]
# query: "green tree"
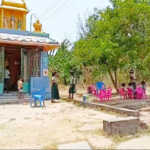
[[117, 39], [63, 62]]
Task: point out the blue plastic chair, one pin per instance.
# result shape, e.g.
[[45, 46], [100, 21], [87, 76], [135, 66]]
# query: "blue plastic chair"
[[100, 86], [38, 96]]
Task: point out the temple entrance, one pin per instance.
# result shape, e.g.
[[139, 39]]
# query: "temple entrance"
[[13, 64]]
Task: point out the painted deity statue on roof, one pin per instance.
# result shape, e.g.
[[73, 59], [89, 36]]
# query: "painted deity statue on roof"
[[37, 26]]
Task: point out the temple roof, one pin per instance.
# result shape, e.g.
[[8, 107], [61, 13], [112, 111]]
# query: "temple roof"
[[11, 37], [14, 3], [25, 40]]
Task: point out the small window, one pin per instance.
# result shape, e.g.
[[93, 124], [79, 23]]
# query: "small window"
[[35, 63]]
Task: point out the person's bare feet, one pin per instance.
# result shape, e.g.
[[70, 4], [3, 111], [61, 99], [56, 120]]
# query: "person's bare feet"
[[52, 101]]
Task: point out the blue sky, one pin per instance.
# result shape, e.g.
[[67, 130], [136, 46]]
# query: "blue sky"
[[60, 18]]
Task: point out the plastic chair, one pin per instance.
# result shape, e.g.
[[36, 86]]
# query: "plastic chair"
[[139, 93], [93, 90], [130, 93], [123, 93], [102, 95], [108, 93], [38, 96], [99, 86]]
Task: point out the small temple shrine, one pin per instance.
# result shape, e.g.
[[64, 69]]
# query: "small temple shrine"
[[24, 53]]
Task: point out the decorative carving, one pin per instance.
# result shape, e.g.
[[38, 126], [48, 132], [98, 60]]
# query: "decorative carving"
[[6, 23], [12, 20], [19, 24]]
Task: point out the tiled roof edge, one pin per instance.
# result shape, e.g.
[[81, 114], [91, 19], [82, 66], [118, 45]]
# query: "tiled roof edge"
[[25, 33]]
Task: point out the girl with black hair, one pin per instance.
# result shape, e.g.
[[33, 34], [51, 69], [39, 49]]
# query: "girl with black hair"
[[54, 89]]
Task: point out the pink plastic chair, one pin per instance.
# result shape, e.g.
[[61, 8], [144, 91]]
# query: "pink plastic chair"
[[143, 92], [92, 89], [140, 94], [102, 95], [130, 93], [105, 94], [123, 93], [108, 93]]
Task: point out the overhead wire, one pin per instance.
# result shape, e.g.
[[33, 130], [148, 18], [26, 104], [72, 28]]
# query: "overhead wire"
[[55, 9], [46, 10]]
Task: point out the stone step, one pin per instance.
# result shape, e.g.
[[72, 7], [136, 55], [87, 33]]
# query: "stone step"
[[11, 101], [13, 95], [14, 98]]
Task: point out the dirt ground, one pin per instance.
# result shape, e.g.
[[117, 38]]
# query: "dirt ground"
[[25, 127]]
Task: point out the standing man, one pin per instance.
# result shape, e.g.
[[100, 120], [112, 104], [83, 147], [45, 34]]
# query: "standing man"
[[132, 76], [72, 88], [7, 78]]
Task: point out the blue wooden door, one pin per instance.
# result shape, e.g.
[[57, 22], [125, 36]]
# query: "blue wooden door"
[[44, 74], [42, 82]]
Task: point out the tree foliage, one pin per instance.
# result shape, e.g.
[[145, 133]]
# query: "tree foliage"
[[63, 62], [117, 39]]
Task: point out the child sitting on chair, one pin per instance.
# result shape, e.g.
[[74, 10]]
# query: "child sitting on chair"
[[130, 90], [124, 90], [20, 88]]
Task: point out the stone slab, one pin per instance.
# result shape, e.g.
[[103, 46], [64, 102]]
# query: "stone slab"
[[129, 125], [75, 146], [121, 119]]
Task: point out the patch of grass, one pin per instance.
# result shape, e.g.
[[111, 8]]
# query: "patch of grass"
[[79, 105], [112, 112], [50, 147], [2, 126], [99, 132], [65, 99], [118, 139], [145, 131]]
